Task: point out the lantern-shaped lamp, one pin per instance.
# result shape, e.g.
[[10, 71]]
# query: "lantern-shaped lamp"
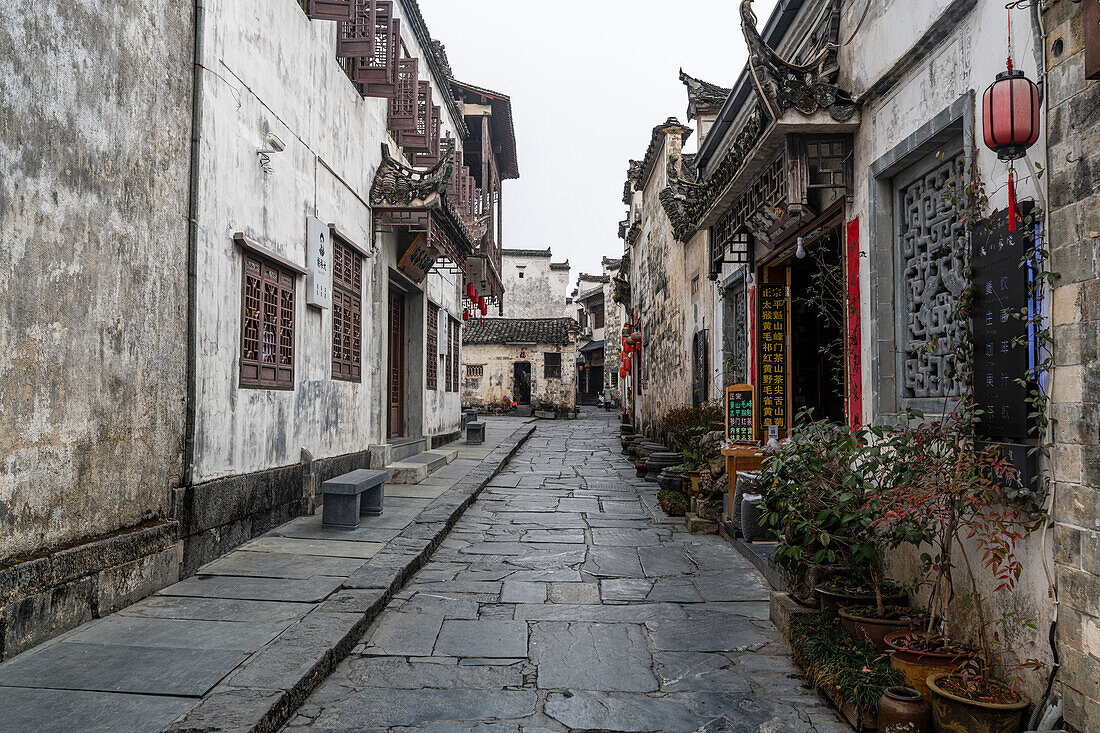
[[471, 291], [466, 314], [627, 363], [1010, 114]]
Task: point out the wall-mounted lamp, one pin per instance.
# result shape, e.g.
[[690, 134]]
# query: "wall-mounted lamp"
[[272, 145]]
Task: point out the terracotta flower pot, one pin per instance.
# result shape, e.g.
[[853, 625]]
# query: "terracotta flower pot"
[[954, 714], [832, 601], [873, 630], [904, 710], [916, 666]]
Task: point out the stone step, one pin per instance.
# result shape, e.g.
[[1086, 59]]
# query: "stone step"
[[697, 525], [414, 469]]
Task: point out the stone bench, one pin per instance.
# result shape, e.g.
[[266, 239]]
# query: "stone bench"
[[348, 496], [475, 433]]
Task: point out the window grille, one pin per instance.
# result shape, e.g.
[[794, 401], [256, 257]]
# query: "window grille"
[[267, 325], [551, 365], [431, 354], [475, 371], [347, 311], [453, 340]]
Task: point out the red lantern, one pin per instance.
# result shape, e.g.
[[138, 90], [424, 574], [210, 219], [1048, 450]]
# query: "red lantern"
[[622, 373], [627, 363], [483, 305], [1010, 114], [471, 291], [466, 314]]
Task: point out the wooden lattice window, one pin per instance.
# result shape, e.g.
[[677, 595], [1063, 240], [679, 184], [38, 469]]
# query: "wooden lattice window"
[[431, 353], [347, 311], [475, 371], [453, 339], [598, 316], [416, 139], [551, 365], [370, 42], [267, 325], [339, 10], [402, 106], [434, 143]]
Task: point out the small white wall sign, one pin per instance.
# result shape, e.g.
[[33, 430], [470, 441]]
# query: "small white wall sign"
[[319, 261]]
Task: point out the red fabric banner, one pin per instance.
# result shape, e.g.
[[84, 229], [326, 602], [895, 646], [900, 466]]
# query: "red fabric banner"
[[855, 325], [752, 335]]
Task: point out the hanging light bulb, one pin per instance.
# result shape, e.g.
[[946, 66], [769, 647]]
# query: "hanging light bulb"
[[800, 253]]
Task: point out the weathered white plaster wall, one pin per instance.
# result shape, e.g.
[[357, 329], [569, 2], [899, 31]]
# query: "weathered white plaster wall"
[[95, 124], [540, 293], [272, 69], [498, 361]]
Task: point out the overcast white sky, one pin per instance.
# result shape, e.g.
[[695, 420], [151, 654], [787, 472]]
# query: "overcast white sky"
[[588, 83]]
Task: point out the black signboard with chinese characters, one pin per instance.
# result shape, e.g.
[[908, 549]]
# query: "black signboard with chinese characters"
[[1002, 350], [740, 416], [773, 359]]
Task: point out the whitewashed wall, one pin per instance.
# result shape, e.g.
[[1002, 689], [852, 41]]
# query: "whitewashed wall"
[[270, 69]]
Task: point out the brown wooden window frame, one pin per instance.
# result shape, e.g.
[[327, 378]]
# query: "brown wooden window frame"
[[347, 310], [453, 339], [598, 317], [268, 293], [549, 370], [431, 350]]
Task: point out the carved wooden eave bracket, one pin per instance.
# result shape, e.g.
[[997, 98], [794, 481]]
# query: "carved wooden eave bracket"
[[399, 186], [807, 87]]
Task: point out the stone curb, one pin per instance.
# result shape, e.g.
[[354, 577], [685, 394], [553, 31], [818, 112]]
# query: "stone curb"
[[260, 695]]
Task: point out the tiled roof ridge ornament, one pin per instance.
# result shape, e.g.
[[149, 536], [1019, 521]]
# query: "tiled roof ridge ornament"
[[397, 184], [703, 96], [806, 87]]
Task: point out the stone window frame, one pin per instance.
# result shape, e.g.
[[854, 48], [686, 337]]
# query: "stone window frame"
[[947, 131], [475, 371]]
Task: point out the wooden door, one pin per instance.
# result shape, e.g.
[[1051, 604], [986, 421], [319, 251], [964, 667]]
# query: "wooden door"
[[522, 377], [396, 415]]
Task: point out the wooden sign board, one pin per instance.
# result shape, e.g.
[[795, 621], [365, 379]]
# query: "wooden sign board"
[[773, 357], [418, 258], [740, 414], [1001, 340]]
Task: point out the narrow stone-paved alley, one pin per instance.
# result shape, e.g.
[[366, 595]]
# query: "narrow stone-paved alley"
[[560, 603]]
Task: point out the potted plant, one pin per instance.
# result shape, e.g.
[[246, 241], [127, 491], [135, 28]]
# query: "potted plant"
[[673, 503], [944, 488], [818, 500]]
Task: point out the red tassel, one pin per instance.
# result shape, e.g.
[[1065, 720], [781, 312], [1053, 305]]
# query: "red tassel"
[[1013, 207]]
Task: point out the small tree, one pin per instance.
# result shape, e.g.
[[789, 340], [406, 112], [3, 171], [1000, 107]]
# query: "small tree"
[[938, 487]]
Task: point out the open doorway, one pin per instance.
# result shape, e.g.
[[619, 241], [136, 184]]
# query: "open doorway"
[[817, 329], [521, 377]]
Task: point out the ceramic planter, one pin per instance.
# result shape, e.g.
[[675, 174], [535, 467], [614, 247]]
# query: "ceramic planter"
[[953, 714], [916, 666], [873, 630], [903, 710], [659, 461]]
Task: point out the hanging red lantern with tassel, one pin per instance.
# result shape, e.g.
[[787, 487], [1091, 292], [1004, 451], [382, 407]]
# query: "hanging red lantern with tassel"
[[1010, 121], [482, 305], [466, 314], [627, 363], [471, 291]]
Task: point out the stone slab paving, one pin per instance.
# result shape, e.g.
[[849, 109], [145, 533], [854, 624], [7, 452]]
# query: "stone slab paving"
[[561, 602], [242, 643]]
